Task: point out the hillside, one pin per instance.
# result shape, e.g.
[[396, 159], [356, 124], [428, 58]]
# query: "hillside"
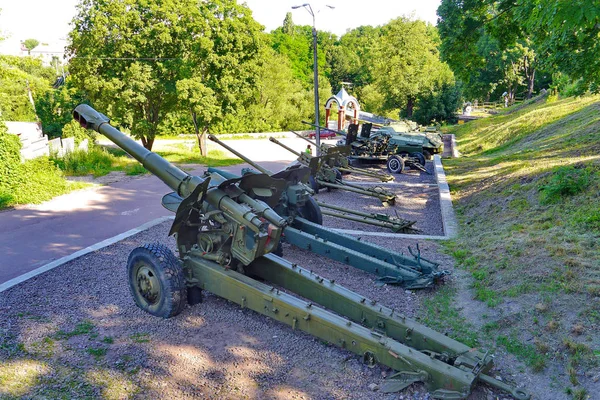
[[527, 195]]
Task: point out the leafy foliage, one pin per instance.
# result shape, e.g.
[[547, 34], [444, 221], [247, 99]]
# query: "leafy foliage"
[[439, 105], [10, 160], [564, 181], [407, 63], [18, 75], [31, 44], [54, 107]]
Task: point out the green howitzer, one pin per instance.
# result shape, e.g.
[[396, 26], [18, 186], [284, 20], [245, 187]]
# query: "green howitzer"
[[397, 151], [225, 234], [341, 162], [331, 178], [312, 217]]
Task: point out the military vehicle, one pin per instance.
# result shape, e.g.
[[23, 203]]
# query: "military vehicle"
[[226, 230], [397, 151], [431, 141]]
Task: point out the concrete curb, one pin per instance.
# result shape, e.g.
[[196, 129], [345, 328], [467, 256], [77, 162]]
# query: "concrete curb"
[[56, 263], [448, 217]]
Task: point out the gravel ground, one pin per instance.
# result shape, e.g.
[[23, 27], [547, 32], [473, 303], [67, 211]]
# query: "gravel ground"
[[418, 201], [77, 331], [409, 176]]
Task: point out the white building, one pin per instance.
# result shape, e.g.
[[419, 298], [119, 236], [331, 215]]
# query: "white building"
[[45, 51]]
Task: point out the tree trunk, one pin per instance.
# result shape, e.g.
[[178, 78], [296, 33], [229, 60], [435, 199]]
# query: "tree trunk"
[[202, 141], [201, 136], [147, 142], [530, 83], [410, 105]]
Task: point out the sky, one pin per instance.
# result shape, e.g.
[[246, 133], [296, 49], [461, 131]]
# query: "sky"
[[48, 20]]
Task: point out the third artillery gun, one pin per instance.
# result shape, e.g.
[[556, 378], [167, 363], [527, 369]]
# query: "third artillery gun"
[[342, 163]]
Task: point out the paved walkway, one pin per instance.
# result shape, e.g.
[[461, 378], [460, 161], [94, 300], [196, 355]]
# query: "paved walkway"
[[35, 235]]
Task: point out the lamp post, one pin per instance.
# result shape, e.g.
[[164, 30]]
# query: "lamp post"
[[316, 73]]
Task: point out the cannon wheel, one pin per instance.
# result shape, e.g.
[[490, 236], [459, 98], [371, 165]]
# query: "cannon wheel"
[[395, 164], [311, 211], [419, 156], [156, 280]]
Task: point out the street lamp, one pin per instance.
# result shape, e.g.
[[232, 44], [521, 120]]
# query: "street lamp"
[[315, 71]]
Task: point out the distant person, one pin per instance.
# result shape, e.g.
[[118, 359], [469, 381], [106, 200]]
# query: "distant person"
[[308, 150]]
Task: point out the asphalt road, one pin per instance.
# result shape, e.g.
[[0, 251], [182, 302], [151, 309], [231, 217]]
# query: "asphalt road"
[[35, 235]]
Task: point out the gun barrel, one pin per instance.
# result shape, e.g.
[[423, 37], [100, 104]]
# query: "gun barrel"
[[178, 180], [329, 129], [303, 137], [272, 139], [240, 155]]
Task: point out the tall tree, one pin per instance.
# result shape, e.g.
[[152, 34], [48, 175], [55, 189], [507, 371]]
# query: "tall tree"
[[142, 61], [288, 24], [565, 33], [221, 73], [30, 44], [407, 63], [488, 45]]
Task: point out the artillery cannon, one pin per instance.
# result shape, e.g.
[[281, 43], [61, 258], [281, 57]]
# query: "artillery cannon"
[[226, 231], [341, 162], [397, 151], [323, 175], [396, 224]]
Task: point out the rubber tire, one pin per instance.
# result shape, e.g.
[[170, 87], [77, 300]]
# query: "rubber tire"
[[427, 155], [419, 156], [311, 211], [314, 185], [163, 264], [395, 164]]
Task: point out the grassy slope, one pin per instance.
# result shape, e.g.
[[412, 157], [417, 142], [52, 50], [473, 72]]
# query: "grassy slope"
[[527, 197]]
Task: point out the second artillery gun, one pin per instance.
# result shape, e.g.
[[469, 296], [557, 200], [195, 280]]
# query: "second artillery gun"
[[226, 230], [318, 209], [324, 175]]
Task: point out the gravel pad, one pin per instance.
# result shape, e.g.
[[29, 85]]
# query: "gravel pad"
[[413, 203], [79, 323], [410, 176]]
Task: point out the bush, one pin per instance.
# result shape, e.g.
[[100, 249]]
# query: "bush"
[[96, 161], [439, 105], [10, 161], [74, 130], [39, 180], [565, 181]]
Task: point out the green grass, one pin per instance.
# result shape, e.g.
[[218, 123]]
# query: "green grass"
[[38, 180], [439, 312], [526, 196], [140, 337], [97, 352], [97, 161], [182, 154], [82, 328]]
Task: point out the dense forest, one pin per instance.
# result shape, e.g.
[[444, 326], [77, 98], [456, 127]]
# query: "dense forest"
[[179, 67]]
